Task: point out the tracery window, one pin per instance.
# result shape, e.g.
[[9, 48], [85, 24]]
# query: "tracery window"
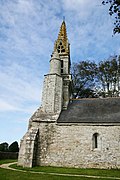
[[60, 48]]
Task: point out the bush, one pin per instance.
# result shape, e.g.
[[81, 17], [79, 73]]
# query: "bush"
[[14, 147], [4, 147]]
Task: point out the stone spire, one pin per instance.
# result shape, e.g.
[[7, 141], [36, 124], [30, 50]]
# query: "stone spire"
[[63, 34], [61, 44]]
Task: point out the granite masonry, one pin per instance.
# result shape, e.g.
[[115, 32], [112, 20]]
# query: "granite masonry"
[[73, 133]]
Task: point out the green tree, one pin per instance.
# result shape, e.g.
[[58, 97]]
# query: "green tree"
[[14, 147], [108, 75], [91, 80], [114, 10], [84, 76], [104, 74], [4, 147], [87, 93]]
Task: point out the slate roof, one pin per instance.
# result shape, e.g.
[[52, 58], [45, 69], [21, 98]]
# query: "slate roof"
[[97, 110]]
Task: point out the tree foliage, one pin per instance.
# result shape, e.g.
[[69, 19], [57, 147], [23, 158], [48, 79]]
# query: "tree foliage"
[[114, 10], [91, 79], [84, 74], [108, 73], [14, 147], [4, 147]]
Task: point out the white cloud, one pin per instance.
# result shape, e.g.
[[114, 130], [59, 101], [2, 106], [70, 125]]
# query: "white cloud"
[[19, 88], [90, 30], [4, 106], [77, 4], [81, 9]]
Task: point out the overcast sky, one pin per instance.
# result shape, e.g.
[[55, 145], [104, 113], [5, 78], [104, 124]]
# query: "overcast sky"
[[28, 29]]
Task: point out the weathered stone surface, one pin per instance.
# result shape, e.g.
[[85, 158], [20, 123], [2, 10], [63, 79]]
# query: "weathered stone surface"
[[55, 63], [72, 145], [52, 94], [27, 148]]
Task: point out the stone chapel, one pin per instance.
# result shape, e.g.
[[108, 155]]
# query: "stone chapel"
[[69, 132]]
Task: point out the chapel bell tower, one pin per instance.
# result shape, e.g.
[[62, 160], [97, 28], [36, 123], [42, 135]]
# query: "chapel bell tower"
[[56, 90]]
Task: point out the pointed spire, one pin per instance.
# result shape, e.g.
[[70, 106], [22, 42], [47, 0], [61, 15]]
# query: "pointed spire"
[[61, 44], [63, 34]]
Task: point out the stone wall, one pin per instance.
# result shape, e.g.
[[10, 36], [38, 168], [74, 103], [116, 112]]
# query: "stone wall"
[[65, 59], [55, 65], [72, 146], [52, 93]]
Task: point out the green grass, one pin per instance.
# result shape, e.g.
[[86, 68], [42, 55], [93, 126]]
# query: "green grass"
[[7, 161], [16, 175], [61, 170]]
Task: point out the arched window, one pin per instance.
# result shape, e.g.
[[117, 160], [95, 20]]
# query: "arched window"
[[95, 140], [60, 48]]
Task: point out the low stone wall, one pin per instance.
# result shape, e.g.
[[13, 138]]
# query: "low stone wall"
[[8, 155]]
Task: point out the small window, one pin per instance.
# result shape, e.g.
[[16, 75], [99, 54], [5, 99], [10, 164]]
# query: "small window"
[[61, 63], [95, 140], [61, 70]]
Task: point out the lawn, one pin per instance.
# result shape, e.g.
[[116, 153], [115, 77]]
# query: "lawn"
[[61, 170], [29, 175], [14, 175], [7, 161]]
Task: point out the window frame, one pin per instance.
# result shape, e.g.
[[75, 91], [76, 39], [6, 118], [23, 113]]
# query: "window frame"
[[95, 139]]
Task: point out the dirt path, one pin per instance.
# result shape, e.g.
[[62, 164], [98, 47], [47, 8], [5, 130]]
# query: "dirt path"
[[6, 166]]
